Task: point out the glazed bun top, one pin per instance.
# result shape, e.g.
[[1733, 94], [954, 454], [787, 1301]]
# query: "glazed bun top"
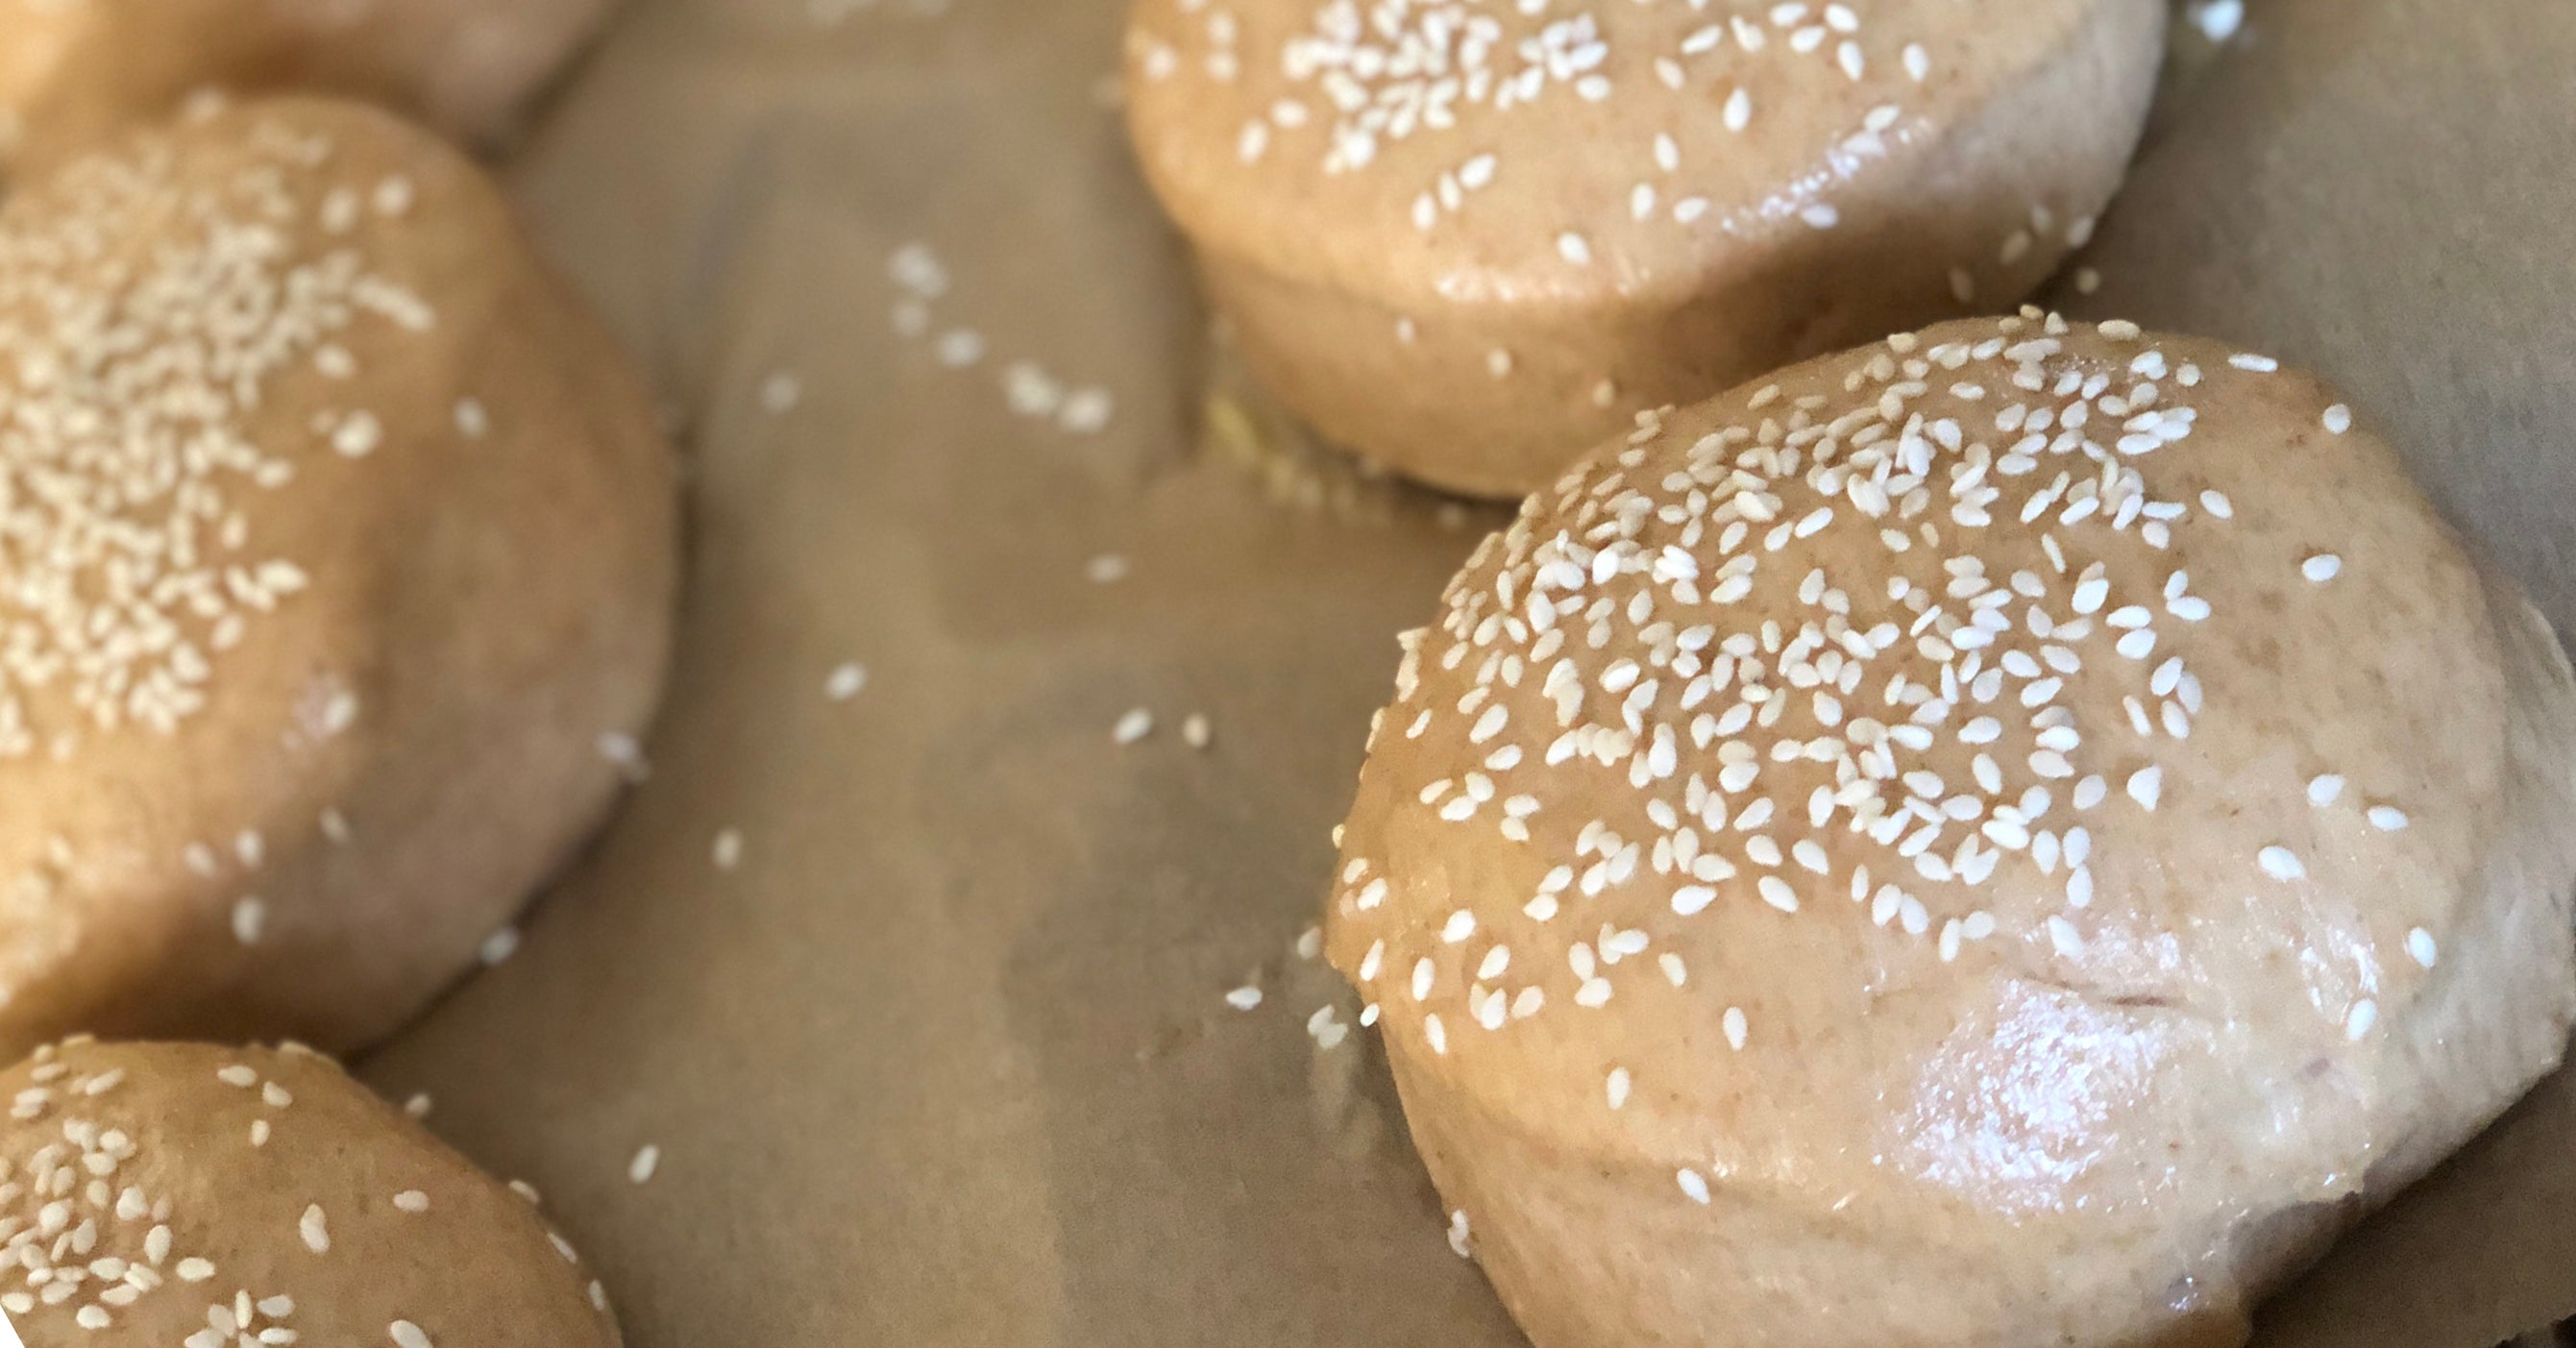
[[333, 534], [1520, 152], [1993, 760], [206, 1197], [74, 73]]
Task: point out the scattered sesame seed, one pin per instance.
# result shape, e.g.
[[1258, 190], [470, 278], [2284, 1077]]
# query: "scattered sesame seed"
[[726, 851], [2387, 818], [2322, 567], [781, 392], [845, 682], [2324, 789], [250, 920], [411, 1201], [1693, 1186], [2218, 20], [1736, 1028], [1106, 569], [648, 1161], [2365, 1015], [2338, 419], [498, 947], [1616, 1087], [1132, 727], [314, 1230], [2420, 946], [1196, 732], [2247, 360], [408, 1335], [1244, 998], [1574, 249]]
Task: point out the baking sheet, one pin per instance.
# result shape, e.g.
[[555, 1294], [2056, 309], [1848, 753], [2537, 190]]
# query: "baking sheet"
[[942, 1057]]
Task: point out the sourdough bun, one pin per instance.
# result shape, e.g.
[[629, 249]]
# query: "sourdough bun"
[[210, 1197], [75, 72], [335, 536], [1470, 240], [2005, 837]]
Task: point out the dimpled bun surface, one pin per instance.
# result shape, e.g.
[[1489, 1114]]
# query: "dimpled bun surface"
[[1472, 238], [205, 1197], [334, 535], [73, 72], [2007, 837]]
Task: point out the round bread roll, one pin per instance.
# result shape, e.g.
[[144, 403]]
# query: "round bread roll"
[[2010, 836], [205, 1197], [1470, 239], [334, 535], [74, 72]]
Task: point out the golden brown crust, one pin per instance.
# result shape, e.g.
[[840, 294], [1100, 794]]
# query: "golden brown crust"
[[386, 580], [1475, 301], [74, 73], [2057, 979], [198, 1196]]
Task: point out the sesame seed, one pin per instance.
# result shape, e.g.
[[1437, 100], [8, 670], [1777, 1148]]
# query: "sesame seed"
[[2322, 567], [315, 1231], [1196, 732], [2218, 20], [2365, 1015], [411, 1201], [845, 682], [408, 1335], [498, 947], [781, 392], [2338, 419], [2247, 360], [2216, 503], [1132, 727], [250, 920], [1498, 363], [1244, 998], [1739, 110], [1616, 1087], [2146, 786], [2421, 947], [647, 1162], [2281, 864], [2387, 818], [1777, 893], [2324, 789], [1693, 1186], [1574, 249]]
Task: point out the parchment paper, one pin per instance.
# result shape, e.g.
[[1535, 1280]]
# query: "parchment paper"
[[943, 1061]]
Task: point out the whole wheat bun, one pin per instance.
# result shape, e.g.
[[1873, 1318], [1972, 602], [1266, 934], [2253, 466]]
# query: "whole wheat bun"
[[335, 535], [1473, 244], [2006, 837], [75, 72], [206, 1197]]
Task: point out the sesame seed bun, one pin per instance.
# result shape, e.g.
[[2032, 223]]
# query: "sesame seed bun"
[[335, 535], [75, 72], [1478, 248], [206, 1197], [2008, 836]]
